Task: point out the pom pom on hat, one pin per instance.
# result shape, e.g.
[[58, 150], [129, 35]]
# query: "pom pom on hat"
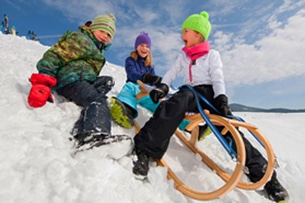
[[105, 23], [88, 23], [199, 23], [142, 38]]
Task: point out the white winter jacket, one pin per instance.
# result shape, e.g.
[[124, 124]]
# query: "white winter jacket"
[[207, 70]]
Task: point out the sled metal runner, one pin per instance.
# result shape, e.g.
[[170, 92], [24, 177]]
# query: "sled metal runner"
[[231, 179]]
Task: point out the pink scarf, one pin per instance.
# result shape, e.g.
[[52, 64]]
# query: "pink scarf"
[[195, 52]]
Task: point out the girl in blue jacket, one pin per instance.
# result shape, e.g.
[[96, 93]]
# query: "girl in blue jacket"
[[138, 66]]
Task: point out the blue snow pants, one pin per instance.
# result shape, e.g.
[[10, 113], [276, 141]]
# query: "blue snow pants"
[[95, 116]]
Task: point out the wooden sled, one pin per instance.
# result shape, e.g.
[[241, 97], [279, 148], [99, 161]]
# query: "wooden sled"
[[231, 180]]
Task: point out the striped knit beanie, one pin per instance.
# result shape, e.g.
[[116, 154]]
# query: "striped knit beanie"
[[199, 23], [105, 23]]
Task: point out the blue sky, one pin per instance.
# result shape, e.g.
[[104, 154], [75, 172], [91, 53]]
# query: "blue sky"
[[261, 42]]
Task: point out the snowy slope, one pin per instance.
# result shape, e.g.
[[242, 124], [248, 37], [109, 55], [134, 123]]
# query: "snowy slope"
[[36, 165]]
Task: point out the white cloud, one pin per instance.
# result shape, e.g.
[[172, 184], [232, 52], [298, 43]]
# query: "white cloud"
[[275, 56]]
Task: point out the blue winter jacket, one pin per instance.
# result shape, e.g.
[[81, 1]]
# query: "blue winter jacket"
[[136, 69]]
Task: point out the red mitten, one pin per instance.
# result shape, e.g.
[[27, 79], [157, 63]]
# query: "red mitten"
[[41, 79], [40, 92]]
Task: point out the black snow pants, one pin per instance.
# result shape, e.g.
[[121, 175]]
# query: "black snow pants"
[[95, 116], [155, 135]]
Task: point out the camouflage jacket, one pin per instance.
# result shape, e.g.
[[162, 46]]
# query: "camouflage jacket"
[[75, 56]]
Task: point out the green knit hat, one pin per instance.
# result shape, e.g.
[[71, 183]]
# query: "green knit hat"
[[105, 23], [198, 22]]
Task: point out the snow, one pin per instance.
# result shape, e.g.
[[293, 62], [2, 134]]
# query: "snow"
[[36, 164]]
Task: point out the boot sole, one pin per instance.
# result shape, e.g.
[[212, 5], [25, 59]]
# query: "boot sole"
[[119, 114]]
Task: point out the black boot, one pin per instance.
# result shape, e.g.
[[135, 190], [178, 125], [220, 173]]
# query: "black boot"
[[275, 191], [86, 140], [204, 131], [141, 166]]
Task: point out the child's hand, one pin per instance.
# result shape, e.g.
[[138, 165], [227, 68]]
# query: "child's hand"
[[40, 92], [221, 104], [159, 92], [151, 79]]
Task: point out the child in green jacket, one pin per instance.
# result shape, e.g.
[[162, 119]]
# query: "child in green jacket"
[[71, 68]]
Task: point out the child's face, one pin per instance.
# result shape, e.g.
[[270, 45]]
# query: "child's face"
[[102, 36], [143, 50], [191, 37]]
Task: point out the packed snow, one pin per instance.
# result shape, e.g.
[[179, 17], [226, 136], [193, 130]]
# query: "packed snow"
[[35, 150]]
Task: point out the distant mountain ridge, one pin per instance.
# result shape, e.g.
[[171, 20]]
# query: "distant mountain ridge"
[[243, 108]]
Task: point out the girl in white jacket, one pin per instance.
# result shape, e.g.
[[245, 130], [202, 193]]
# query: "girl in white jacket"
[[201, 68]]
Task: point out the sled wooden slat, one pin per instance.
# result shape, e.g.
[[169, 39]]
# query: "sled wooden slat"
[[231, 181], [196, 119], [269, 153]]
